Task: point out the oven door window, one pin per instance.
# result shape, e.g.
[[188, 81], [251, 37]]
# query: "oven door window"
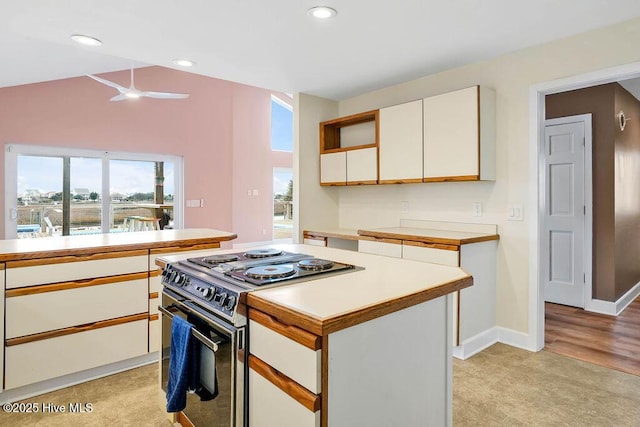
[[217, 369]]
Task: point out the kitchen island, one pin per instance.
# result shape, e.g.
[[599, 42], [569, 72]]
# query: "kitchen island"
[[370, 346], [79, 307]]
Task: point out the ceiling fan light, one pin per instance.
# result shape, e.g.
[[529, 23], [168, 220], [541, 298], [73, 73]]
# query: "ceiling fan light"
[[184, 62], [85, 40], [132, 95], [322, 12]]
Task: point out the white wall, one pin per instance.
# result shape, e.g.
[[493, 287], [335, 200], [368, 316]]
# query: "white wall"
[[511, 76]]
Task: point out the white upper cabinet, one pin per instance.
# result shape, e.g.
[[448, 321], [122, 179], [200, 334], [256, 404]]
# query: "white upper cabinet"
[[459, 135], [362, 166], [333, 168], [401, 143]]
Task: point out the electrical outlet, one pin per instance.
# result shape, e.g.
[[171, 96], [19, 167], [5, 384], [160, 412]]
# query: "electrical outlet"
[[477, 209], [404, 207]]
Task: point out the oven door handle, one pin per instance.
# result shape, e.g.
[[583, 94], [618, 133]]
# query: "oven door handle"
[[196, 333]]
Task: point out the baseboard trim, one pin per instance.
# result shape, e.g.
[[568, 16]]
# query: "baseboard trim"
[[614, 308], [31, 390], [515, 339], [476, 344]]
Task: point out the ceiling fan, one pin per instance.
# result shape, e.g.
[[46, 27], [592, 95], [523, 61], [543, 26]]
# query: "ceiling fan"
[[132, 93]]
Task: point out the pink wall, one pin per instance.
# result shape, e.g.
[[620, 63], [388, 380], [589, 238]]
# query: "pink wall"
[[204, 129]]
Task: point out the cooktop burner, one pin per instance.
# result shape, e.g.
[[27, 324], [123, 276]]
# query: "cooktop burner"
[[217, 259], [315, 264], [262, 253], [270, 272]]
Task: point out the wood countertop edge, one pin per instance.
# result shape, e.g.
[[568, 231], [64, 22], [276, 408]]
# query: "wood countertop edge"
[[52, 253], [427, 239], [348, 319], [311, 233]]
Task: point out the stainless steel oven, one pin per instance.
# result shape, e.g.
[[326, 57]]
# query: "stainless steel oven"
[[223, 361]]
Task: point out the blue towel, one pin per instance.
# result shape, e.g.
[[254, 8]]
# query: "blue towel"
[[180, 364]]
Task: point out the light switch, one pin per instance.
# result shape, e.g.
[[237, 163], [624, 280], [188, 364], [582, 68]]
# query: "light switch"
[[515, 213], [404, 207], [255, 191], [477, 209]]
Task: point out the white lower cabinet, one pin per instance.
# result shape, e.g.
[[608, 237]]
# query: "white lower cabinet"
[[49, 358], [270, 406], [427, 253]]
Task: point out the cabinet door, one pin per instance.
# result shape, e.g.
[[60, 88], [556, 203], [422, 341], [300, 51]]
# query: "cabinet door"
[[452, 135], [387, 248], [333, 168], [362, 166], [401, 143]]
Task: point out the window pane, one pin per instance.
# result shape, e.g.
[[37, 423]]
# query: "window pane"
[[85, 186], [281, 127], [39, 195]]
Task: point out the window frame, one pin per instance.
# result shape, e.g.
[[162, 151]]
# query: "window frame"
[[12, 151]]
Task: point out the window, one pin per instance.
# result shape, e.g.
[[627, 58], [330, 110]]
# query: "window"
[[281, 125], [54, 191]]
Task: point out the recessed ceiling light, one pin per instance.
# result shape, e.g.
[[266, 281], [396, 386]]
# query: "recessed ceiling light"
[[86, 40], [322, 12], [184, 62]]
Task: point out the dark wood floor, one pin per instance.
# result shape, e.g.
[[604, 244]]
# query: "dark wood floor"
[[608, 341]]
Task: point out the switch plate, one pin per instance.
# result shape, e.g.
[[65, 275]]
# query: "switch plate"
[[404, 207], [477, 209], [515, 213], [255, 192]]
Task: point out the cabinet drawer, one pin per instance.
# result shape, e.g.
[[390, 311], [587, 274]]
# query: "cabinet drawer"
[[67, 269], [47, 311], [270, 406], [296, 361], [380, 248], [41, 360], [315, 241], [432, 255]]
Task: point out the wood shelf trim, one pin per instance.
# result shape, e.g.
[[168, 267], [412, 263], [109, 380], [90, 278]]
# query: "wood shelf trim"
[[153, 317], [333, 184], [154, 295], [352, 148], [353, 119], [431, 245], [326, 326], [75, 329], [63, 286], [309, 340], [76, 258], [460, 178], [312, 402], [321, 235]]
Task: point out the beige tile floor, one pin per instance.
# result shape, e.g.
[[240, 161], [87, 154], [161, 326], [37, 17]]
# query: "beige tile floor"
[[502, 386]]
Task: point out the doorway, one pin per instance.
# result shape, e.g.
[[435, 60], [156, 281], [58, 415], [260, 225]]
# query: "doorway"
[[283, 204]]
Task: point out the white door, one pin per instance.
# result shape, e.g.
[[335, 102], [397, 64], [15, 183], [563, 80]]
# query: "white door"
[[564, 241]]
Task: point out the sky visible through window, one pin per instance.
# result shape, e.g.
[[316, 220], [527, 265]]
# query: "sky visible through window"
[[126, 176], [281, 127]]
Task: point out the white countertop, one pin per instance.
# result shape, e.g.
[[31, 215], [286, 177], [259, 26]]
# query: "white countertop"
[[384, 281], [12, 249]]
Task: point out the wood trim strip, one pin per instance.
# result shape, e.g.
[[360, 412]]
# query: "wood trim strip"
[[458, 323], [196, 247], [353, 119], [300, 394], [479, 132], [63, 286], [183, 420], [333, 184], [400, 181], [351, 148], [431, 245], [2, 266], [349, 319], [452, 178], [75, 258], [369, 182], [75, 329], [324, 395], [381, 239], [155, 273], [153, 317], [154, 295], [294, 333]]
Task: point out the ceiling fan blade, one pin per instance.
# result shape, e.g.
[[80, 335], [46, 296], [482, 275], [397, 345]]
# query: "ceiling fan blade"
[[164, 95], [120, 97], [121, 89]]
